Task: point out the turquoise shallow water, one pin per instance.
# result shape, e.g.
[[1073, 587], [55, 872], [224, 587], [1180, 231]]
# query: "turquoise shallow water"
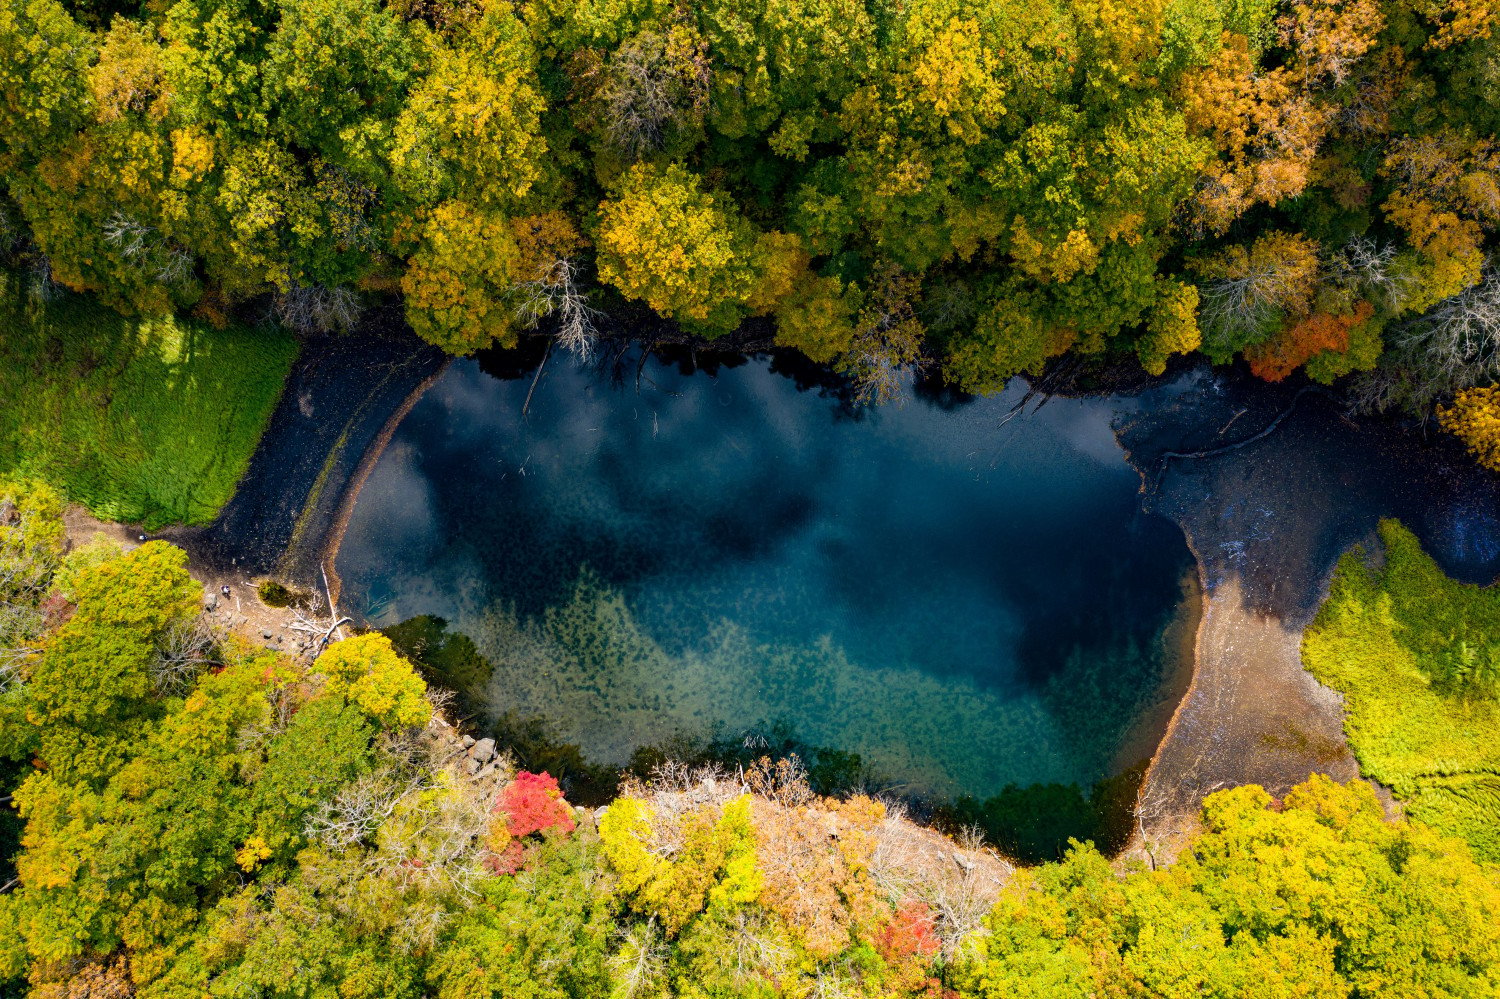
[[963, 600]]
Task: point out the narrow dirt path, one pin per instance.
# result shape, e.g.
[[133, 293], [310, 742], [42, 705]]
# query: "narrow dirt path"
[[241, 610]]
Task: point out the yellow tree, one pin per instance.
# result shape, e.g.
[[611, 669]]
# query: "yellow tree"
[[366, 671], [1446, 198], [1474, 418], [457, 282], [683, 251], [471, 128]]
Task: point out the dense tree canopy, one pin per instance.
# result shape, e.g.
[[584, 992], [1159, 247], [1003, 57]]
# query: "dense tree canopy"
[[1312, 184]]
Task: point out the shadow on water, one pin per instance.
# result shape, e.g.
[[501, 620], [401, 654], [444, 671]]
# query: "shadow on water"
[[1277, 513], [712, 554]]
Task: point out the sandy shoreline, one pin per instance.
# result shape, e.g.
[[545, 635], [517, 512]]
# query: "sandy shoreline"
[[1266, 523]]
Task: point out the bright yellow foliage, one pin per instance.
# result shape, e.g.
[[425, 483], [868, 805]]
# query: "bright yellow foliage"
[[249, 856], [663, 240], [1474, 418], [471, 128], [952, 81], [1052, 261], [1459, 21], [457, 281], [367, 672], [1447, 197], [128, 76], [192, 155], [1266, 127], [712, 863], [1171, 327]]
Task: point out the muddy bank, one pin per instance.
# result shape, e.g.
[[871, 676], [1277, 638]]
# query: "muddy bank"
[[342, 399], [1267, 514]]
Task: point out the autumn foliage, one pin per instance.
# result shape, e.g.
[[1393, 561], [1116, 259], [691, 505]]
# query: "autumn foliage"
[[1293, 346], [1474, 417], [1045, 177], [275, 815], [530, 805]]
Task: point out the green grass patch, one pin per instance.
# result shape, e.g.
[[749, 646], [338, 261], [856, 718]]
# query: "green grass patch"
[[140, 420], [1416, 656]]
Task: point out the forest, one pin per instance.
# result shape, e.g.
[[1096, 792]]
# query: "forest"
[[954, 191], [969, 186], [198, 816]]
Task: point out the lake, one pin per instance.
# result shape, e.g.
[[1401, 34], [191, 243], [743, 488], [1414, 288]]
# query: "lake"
[[965, 596]]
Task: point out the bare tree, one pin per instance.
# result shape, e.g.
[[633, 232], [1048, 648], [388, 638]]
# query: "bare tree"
[[654, 85], [1455, 345], [41, 286], [360, 808], [183, 653], [13, 659], [558, 291], [887, 344], [347, 201], [1364, 266], [639, 965], [130, 237], [879, 362], [173, 263], [1243, 302], [1459, 338], [318, 308], [958, 881]]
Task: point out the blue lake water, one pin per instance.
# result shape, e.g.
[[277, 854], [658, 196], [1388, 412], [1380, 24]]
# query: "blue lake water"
[[964, 598]]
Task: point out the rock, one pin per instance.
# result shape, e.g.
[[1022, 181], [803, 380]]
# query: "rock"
[[483, 750], [267, 634], [468, 741], [210, 601], [471, 765]]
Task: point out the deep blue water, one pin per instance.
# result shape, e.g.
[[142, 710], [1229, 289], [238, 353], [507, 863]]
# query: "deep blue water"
[[964, 601]]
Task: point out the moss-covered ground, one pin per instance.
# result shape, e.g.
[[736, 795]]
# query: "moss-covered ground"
[[140, 420], [1417, 657]]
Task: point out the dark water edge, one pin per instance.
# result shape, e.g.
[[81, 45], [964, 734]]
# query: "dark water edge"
[[343, 393], [1276, 510]]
